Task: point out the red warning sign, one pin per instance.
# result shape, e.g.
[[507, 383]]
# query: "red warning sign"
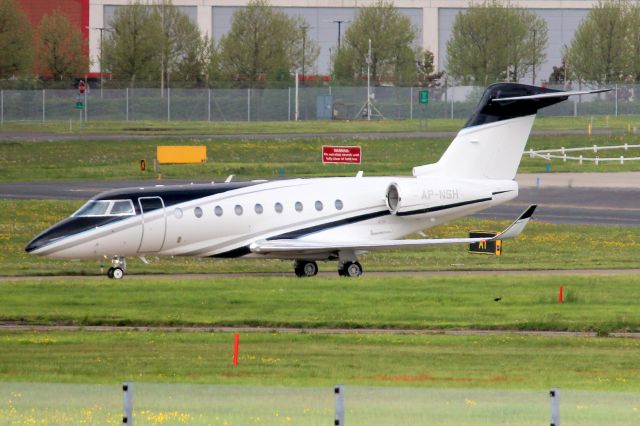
[[341, 154]]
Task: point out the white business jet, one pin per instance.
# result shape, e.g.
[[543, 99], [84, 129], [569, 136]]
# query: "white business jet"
[[307, 220]]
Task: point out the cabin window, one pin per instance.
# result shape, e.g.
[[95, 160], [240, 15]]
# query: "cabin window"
[[278, 207], [298, 206], [177, 213], [259, 208], [198, 212], [218, 211], [238, 209], [339, 205], [319, 205]]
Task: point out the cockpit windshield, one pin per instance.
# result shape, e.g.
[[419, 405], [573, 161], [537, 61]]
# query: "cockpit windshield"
[[106, 208]]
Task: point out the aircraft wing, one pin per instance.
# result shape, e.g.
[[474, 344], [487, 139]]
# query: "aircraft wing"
[[289, 245]]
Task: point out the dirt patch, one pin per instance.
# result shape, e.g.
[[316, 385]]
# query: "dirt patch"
[[428, 378], [152, 129]]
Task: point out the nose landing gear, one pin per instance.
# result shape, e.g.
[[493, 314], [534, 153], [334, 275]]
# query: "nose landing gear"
[[119, 267]]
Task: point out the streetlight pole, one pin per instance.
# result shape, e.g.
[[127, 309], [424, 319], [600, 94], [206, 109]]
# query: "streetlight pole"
[[304, 29], [340, 22]]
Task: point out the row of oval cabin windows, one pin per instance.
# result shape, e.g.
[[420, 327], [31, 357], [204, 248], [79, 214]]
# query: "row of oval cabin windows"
[[238, 209]]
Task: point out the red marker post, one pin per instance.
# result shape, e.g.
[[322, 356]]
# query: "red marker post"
[[236, 349], [560, 296]]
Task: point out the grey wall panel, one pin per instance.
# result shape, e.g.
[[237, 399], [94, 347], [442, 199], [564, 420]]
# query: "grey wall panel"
[[323, 30], [561, 24]]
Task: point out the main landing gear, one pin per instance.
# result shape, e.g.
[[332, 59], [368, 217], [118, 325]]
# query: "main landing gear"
[[349, 269], [309, 268], [305, 268], [116, 272]]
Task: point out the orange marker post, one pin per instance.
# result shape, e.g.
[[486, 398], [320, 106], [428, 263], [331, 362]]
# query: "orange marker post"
[[236, 349], [560, 298]]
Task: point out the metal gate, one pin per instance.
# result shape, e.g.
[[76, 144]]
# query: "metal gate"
[[154, 224]]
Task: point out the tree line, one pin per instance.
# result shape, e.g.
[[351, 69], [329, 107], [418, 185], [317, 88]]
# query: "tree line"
[[156, 43]]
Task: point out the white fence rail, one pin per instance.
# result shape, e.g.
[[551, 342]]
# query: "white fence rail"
[[561, 154]]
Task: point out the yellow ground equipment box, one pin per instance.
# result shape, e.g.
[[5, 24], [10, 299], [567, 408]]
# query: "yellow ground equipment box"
[[181, 154], [485, 246]]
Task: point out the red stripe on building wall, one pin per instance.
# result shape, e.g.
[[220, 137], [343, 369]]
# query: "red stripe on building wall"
[[85, 24]]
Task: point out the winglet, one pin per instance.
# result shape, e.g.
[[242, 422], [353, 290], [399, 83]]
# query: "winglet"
[[516, 228]]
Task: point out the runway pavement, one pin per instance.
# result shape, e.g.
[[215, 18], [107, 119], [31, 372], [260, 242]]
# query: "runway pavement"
[[563, 198]]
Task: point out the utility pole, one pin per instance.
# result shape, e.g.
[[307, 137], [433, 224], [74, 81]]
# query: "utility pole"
[[340, 22], [102, 30]]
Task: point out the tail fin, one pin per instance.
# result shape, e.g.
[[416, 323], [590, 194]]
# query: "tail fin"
[[491, 144]]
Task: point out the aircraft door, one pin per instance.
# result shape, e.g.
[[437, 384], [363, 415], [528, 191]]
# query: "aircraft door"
[[154, 224]]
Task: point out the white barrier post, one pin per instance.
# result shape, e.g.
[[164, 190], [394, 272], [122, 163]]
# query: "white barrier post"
[[555, 406], [411, 103], [127, 412], [339, 405]]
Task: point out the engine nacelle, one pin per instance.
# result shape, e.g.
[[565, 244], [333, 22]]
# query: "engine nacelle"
[[406, 197], [420, 195]]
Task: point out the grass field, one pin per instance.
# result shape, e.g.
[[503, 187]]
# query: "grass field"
[[270, 158], [621, 123], [602, 304], [541, 246], [491, 362]]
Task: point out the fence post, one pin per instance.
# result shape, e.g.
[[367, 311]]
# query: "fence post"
[[168, 104], [452, 91], [43, 107], [127, 103], [555, 406], [411, 103], [86, 105], [616, 89], [209, 107], [248, 104], [297, 111], [289, 105], [339, 405], [127, 412]]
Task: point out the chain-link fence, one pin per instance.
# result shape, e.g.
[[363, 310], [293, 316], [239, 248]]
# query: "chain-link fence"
[[305, 103]]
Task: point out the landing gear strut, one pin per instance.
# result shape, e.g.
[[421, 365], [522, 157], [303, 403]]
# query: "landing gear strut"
[[349, 269], [305, 268], [117, 270]]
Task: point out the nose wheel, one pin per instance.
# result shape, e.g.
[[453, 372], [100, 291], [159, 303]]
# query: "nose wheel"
[[116, 272], [305, 268]]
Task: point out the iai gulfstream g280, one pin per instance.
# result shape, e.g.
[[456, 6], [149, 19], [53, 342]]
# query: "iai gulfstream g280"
[[307, 220]]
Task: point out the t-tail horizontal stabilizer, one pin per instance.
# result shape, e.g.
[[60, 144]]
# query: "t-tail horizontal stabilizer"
[[550, 95], [308, 247]]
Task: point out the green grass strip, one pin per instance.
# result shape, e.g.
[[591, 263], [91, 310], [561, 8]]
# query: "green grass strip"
[[602, 304], [493, 362]]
